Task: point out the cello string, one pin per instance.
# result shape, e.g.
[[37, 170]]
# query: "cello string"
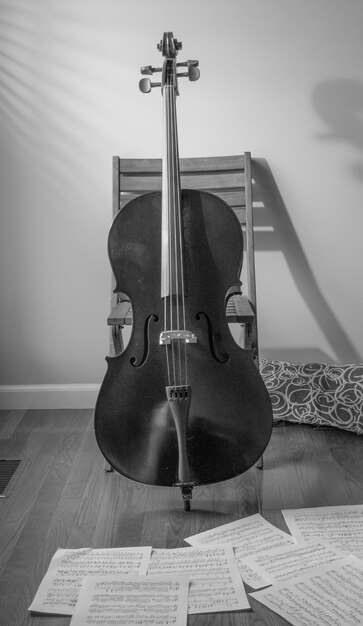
[[177, 361], [176, 223], [179, 253], [180, 243], [169, 159], [165, 199]]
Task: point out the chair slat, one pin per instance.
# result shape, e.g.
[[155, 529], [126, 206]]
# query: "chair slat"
[[234, 180], [198, 164]]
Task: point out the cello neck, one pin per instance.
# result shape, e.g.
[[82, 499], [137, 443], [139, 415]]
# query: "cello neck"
[[172, 272], [171, 231]]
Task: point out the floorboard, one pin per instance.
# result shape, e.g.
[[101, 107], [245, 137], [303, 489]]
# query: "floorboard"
[[61, 496]]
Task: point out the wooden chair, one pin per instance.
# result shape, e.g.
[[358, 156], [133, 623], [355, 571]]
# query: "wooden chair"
[[229, 178]]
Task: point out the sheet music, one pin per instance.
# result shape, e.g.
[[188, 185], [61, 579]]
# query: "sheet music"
[[215, 583], [132, 600], [292, 560], [251, 535], [326, 596], [341, 526], [59, 589]]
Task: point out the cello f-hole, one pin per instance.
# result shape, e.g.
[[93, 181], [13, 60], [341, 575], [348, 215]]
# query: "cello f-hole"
[[133, 360], [225, 356]]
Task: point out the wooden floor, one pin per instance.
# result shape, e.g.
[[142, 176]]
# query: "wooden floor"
[[60, 496]]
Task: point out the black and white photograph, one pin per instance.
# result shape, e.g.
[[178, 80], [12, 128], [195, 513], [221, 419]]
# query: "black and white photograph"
[[181, 305]]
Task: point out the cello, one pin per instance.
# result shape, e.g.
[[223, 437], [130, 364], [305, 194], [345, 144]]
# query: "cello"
[[183, 404]]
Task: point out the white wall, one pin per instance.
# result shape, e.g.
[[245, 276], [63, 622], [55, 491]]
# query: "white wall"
[[282, 79]]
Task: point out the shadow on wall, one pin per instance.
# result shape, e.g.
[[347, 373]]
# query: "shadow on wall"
[[271, 212], [339, 104]]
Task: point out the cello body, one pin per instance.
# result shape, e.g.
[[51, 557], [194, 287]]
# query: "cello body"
[[228, 425], [183, 404]]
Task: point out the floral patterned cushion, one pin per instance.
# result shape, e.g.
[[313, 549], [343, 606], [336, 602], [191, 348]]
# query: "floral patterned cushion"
[[316, 393]]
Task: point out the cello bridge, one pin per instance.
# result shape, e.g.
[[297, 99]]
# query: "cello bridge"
[[167, 336]]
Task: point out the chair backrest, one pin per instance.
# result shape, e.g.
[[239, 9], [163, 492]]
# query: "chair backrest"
[[229, 178]]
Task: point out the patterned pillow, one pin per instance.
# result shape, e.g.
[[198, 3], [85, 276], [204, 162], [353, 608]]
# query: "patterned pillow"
[[316, 393]]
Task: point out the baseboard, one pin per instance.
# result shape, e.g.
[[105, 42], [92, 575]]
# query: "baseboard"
[[20, 397]]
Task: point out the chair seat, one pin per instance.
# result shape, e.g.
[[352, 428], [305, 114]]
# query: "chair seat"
[[238, 310]]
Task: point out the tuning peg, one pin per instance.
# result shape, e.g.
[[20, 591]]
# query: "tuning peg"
[[188, 64], [193, 73], [145, 85], [147, 69]]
